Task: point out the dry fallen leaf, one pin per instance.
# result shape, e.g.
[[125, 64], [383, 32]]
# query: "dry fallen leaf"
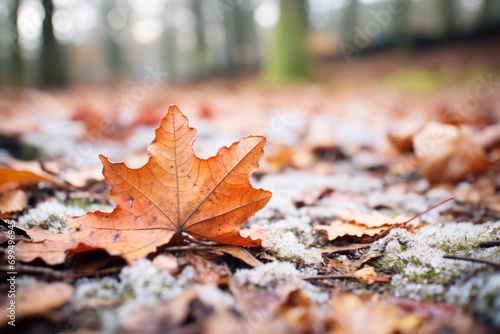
[[176, 192], [51, 247], [37, 299], [351, 314], [13, 200], [160, 317], [239, 253], [368, 275], [447, 153], [399, 137], [11, 178], [358, 224], [167, 262]]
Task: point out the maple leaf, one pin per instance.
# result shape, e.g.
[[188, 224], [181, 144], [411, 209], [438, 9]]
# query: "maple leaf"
[[176, 192]]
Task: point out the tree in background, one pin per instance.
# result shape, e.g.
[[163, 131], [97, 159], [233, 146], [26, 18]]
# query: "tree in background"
[[114, 53], [403, 37], [11, 71], [52, 69], [490, 11], [287, 59], [349, 21], [445, 9], [201, 56]]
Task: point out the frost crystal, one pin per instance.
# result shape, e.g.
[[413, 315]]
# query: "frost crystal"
[[274, 274], [138, 285], [269, 275], [212, 296], [420, 272], [287, 247], [107, 288], [50, 215], [488, 299]]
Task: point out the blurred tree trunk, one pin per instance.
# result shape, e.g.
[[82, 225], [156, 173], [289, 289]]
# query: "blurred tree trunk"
[[201, 53], [287, 59], [12, 67], [16, 62], [349, 21], [245, 33], [490, 14], [231, 40], [403, 35], [445, 17], [52, 66], [114, 54]]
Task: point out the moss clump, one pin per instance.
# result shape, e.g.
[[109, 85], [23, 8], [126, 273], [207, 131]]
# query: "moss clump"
[[420, 272], [416, 81], [450, 247]]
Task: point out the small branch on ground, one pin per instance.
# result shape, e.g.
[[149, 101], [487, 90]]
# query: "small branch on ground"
[[470, 259], [487, 244], [334, 276], [188, 248], [49, 272]]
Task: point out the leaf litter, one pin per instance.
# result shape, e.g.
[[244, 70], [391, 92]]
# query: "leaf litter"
[[397, 280]]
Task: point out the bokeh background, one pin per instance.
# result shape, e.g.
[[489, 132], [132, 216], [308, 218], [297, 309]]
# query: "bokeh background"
[[58, 42], [321, 79]]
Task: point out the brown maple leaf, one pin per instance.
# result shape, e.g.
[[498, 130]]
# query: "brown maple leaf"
[[176, 192]]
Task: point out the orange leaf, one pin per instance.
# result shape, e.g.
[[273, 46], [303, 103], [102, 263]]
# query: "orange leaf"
[[50, 247], [358, 224], [37, 299], [11, 178], [176, 192], [370, 276]]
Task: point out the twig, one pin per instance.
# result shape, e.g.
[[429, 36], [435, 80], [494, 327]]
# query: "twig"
[[340, 249], [49, 272], [431, 208], [38, 270], [471, 259], [487, 244], [333, 276], [188, 248], [196, 241]]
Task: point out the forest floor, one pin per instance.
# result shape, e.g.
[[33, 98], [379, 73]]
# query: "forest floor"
[[350, 160]]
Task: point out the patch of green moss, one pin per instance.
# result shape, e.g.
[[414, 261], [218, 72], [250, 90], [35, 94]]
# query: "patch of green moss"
[[430, 276], [416, 81], [290, 258], [388, 264], [415, 261], [27, 152], [451, 248], [458, 247], [80, 202]]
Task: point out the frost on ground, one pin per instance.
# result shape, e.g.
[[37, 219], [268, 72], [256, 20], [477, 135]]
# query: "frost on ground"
[[50, 215], [137, 286], [272, 275], [289, 227], [421, 273], [291, 237], [415, 260]]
